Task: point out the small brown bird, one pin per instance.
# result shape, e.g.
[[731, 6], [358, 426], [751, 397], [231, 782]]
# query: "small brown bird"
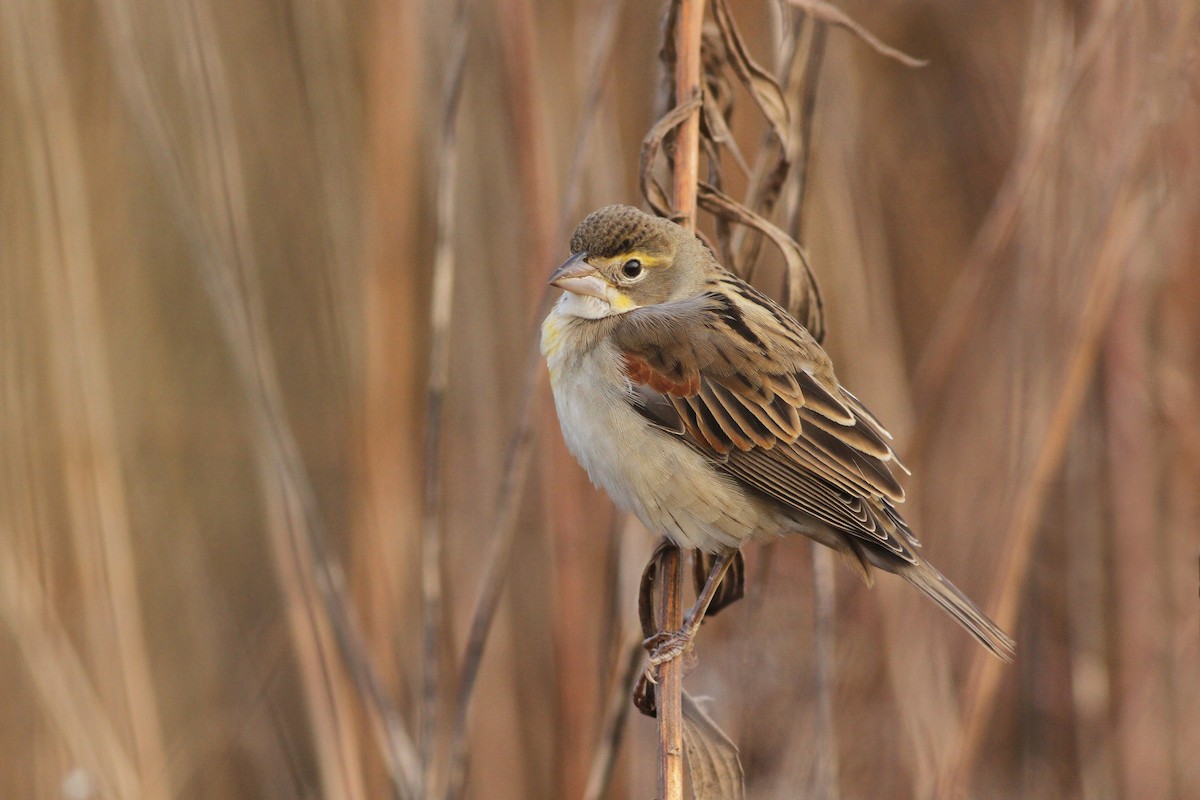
[[705, 409]]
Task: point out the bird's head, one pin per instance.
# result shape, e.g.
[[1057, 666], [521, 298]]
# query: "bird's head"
[[624, 259]]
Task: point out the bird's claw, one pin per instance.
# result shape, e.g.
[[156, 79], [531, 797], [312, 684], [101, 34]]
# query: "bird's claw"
[[667, 646]]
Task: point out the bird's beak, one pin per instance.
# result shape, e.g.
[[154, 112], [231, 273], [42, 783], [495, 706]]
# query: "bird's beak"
[[577, 276]]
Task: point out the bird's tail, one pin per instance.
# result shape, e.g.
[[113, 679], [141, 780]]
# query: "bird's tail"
[[948, 596]]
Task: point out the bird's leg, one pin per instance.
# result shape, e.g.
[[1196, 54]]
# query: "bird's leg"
[[731, 588], [668, 645]]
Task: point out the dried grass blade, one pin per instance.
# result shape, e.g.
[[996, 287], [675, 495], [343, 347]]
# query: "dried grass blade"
[[519, 454], [616, 711], [432, 614], [61, 679], [225, 266], [828, 12], [718, 132], [731, 588], [717, 114], [775, 157], [517, 462], [652, 189], [761, 85], [712, 757], [808, 104], [1128, 221]]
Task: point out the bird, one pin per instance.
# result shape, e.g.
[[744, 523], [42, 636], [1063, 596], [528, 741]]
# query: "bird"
[[706, 410]]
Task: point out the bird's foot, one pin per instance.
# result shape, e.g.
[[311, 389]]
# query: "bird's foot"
[[663, 646], [667, 646]]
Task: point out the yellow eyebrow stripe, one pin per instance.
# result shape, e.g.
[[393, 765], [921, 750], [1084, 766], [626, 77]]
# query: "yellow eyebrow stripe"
[[648, 261]]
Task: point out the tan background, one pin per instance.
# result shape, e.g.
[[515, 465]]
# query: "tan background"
[[217, 235]]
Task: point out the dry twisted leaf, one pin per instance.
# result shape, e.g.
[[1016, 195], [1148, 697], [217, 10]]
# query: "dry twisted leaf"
[[712, 757], [652, 189], [761, 85], [828, 12], [802, 294]]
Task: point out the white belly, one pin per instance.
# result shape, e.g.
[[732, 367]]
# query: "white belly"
[[672, 489]]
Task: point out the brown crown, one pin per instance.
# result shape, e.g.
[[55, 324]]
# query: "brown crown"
[[614, 230]]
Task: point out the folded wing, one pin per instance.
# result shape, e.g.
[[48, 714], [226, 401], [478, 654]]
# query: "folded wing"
[[748, 386]]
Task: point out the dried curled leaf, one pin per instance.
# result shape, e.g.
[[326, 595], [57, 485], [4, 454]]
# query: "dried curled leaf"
[[827, 12], [646, 591], [716, 129], [712, 757], [654, 192], [718, 96], [758, 82], [802, 296]]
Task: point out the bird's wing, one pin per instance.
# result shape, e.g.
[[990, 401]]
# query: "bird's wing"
[[746, 384]]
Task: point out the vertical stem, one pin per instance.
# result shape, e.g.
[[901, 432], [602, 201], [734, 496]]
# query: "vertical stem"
[[1125, 224], [669, 689], [687, 85], [824, 613], [616, 710], [433, 621], [670, 607], [808, 103]]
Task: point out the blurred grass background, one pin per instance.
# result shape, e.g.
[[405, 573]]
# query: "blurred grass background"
[[217, 236]]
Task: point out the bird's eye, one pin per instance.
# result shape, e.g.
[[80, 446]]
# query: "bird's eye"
[[631, 268]]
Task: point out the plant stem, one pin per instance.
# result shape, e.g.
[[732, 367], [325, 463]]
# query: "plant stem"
[[670, 607], [669, 689], [687, 85]]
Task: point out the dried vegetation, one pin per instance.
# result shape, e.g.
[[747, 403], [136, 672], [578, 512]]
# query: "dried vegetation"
[[284, 511]]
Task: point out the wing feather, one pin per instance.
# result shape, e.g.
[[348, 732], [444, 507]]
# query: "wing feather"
[[859, 435], [732, 423], [750, 417], [707, 426], [821, 400], [753, 390]]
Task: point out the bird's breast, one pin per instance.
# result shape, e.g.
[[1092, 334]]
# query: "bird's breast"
[[673, 489]]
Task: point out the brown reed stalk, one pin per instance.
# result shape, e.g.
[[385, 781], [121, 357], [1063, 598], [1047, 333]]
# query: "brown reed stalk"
[[432, 533], [668, 689], [686, 168], [218, 231], [519, 452], [95, 489], [517, 461], [686, 164], [1130, 215], [1127, 223], [616, 711], [388, 484], [61, 680]]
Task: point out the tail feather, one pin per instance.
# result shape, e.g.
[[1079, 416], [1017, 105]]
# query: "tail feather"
[[948, 596]]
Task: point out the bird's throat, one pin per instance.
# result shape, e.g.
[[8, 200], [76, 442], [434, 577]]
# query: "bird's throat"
[[586, 306]]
